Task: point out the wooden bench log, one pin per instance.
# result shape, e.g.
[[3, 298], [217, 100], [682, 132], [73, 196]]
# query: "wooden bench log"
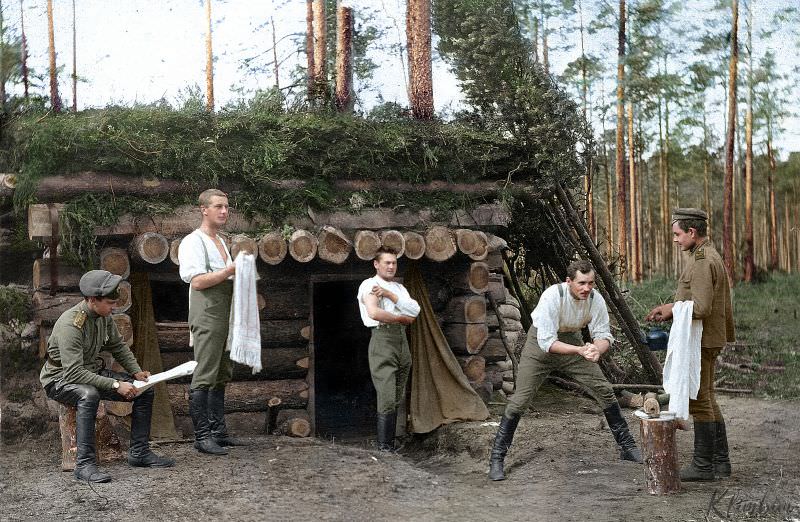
[[247, 396], [334, 246], [149, 248], [272, 248], [414, 245], [660, 453], [108, 444]]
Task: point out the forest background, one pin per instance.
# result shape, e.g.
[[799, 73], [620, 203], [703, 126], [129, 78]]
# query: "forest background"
[[654, 84]]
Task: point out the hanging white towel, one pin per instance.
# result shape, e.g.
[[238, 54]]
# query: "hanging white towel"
[[682, 366], [244, 334]]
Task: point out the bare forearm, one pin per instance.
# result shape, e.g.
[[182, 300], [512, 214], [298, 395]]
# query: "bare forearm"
[[564, 348], [203, 281]]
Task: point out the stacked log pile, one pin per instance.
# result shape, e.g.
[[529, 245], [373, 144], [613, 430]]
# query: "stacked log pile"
[[276, 399]]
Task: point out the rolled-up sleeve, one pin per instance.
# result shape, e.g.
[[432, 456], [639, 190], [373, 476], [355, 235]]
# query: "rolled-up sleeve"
[[406, 305], [191, 258], [545, 318], [599, 325]]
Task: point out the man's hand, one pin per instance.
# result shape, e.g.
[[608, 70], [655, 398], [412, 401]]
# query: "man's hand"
[[380, 292], [590, 352], [405, 320], [141, 376], [660, 314], [127, 390]]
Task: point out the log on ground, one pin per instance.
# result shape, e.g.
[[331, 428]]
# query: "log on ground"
[[660, 453], [277, 363], [293, 423]]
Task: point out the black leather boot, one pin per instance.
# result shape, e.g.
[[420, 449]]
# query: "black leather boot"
[[619, 428], [216, 420], [139, 454], [701, 468], [387, 424], [85, 459], [502, 441], [198, 409], [722, 463]]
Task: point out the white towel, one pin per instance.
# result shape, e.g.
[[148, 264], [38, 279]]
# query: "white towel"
[[682, 366], [244, 334]]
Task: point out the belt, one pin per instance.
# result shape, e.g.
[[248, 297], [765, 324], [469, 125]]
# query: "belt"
[[385, 326]]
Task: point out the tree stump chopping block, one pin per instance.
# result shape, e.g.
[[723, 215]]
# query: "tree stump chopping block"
[[109, 446], [660, 454]]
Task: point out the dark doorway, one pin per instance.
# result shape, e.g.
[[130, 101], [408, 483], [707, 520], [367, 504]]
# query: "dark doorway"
[[344, 397], [170, 301]]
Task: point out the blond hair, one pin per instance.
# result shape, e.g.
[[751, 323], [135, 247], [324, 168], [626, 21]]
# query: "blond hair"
[[205, 197]]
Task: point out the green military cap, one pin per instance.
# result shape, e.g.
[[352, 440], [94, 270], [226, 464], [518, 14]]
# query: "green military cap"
[[99, 283], [688, 213]]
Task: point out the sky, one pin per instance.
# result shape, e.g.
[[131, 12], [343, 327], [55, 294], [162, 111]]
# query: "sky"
[[143, 50]]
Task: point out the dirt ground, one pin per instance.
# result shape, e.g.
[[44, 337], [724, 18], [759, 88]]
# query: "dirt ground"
[[562, 466]]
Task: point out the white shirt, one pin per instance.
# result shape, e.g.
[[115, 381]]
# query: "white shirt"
[[192, 257], [563, 313], [404, 305]]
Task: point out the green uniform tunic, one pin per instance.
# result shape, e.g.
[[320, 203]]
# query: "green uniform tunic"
[[78, 336], [705, 282]]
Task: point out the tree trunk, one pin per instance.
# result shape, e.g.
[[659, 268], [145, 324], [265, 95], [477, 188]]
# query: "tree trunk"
[[272, 248], [395, 240], [366, 244], [587, 179], [418, 27], [247, 396], [150, 247], [773, 217], [334, 246], [310, 66], [276, 63], [660, 452], [622, 203], [74, 62], [749, 266], [23, 52], [303, 246], [209, 62], [439, 244], [344, 59], [414, 245], [55, 99], [635, 273], [466, 338], [730, 140], [320, 75], [116, 261], [465, 309]]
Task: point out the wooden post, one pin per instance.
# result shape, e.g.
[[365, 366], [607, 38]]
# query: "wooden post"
[[109, 446], [660, 454]]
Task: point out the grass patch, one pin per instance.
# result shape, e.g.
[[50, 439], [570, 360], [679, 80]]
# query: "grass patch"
[[766, 318]]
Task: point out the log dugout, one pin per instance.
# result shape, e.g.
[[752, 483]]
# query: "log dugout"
[[247, 396], [660, 454]]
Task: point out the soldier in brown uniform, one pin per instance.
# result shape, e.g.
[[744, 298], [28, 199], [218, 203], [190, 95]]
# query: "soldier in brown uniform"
[[705, 282]]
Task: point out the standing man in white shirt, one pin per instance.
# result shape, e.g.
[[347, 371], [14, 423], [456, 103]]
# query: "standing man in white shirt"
[[387, 308], [205, 263], [554, 343]]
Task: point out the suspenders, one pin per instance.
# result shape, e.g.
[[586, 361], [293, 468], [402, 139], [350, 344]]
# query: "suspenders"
[[591, 300]]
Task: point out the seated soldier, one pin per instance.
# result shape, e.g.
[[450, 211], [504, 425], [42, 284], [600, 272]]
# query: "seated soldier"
[[74, 375]]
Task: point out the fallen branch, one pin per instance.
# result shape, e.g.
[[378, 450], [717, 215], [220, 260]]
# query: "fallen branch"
[[645, 387], [734, 390]]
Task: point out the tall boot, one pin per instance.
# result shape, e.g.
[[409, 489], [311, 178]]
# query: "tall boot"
[[502, 441], [216, 420], [619, 428], [85, 458], [140, 454], [387, 424], [198, 409], [701, 468], [722, 464]]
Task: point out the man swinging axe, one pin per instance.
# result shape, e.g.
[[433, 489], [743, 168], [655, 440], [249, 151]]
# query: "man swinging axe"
[[554, 344]]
